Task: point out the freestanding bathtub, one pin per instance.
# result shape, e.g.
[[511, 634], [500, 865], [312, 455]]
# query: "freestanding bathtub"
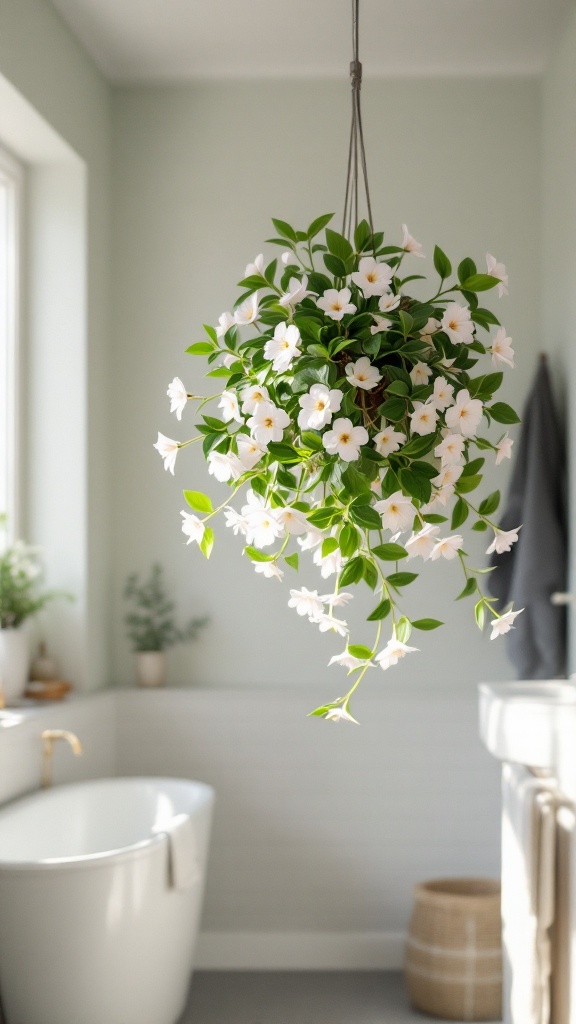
[[101, 887]]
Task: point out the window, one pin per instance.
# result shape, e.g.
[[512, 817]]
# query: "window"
[[10, 218]]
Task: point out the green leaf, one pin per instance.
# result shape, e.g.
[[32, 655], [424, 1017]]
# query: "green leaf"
[[370, 573], [380, 612], [470, 468], [503, 413], [211, 332], [218, 426], [420, 446], [466, 269], [284, 229], [480, 526], [200, 348], [397, 387], [355, 482], [220, 371], [359, 651], [365, 515], [284, 453], [338, 245], [323, 517], [393, 409], [401, 579], [415, 485], [482, 443], [442, 263], [352, 571], [479, 283], [349, 540], [335, 265], [258, 556], [292, 560], [317, 225], [311, 440], [319, 283], [432, 517], [407, 324], [207, 542], [390, 552], [480, 613], [470, 588], [426, 623], [459, 514], [198, 501], [490, 504], [403, 629], [362, 235], [468, 483], [328, 546]]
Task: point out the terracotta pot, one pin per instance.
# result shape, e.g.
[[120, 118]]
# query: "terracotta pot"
[[14, 663], [151, 668]]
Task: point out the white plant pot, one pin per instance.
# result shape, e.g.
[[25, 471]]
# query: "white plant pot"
[[151, 668], [14, 663]]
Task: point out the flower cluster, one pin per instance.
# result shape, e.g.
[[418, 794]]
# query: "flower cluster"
[[19, 579], [353, 414]]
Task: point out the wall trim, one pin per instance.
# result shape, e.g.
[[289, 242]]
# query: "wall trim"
[[297, 951]]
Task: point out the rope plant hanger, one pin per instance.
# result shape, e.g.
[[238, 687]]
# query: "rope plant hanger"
[[353, 425]]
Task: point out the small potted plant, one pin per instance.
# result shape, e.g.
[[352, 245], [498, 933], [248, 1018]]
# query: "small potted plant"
[[152, 627]]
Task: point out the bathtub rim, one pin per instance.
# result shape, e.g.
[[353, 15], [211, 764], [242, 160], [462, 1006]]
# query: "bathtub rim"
[[102, 858]]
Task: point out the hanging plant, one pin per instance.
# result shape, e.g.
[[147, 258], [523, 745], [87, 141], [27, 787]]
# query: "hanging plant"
[[351, 424]]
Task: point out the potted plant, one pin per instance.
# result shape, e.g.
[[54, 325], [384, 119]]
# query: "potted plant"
[[152, 627], [20, 599]]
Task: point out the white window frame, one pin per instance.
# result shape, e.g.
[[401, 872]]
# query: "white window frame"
[[12, 177]]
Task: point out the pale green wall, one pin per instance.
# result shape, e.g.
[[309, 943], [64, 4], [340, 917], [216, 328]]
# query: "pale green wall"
[[199, 170]]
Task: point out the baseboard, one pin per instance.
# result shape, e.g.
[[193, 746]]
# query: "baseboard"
[[297, 951]]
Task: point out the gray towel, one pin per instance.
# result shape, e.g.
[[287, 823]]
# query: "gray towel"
[[536, 566]]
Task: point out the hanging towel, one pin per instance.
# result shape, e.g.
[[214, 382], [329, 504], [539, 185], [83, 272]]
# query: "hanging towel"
[[183, 858], [536, 565]]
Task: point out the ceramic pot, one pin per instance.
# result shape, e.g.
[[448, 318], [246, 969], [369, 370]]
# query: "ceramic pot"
[[14, 663], [151, 668]]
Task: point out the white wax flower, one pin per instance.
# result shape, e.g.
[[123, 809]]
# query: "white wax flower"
[[297, 290], [504, 449], [288, 258], [443, 394], [237, 522], [336, 304], [345, 440], [224, 466], [347, 661], [292, 520], [419, 374], [328, 623], [192, 527], [269, 569], [312, 539], [392, 653], [229, 405], [363, 374], [498, 270], [424, 418], [263, 527], [448, 476], [251, 396], [249, 451], [504, 623], [388, 302], [329, 564], [409, 244], [247, 311], [451, 449], [388, 440], [503, 540], [178, 397], [423, 542], [337, 600], [502, 351], [456, 323], [268, 423], [430, 328], [447, 548], [339, 715], [283, 347], [371, 277], [306, 602], [397, 512], [168, 450], [255, 269], [225, 322], [465, 415], [318, 407]]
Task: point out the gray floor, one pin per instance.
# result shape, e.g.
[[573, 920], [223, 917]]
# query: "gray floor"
[[300, 997]]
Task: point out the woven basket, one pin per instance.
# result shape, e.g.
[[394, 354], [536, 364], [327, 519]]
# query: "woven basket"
[[453, 962]]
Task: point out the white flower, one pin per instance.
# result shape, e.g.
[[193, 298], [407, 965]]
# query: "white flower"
[[388, 302], [255, 269], [269, 569], [422, 543], [456, 323], [337, 600], [178, 397], [388, 440], [345, 440], [225, 322], [420, 373], [397, 512], [328, 622], [247, 311], [251, 396], [292, 520], [504, 623], [498, 270], [448, 476], [192, 527], [268, 423], [392, 653], [438, 500], [263, 528], [339, 715], [336, 303], [447, 548], [503, 540], [168, 450], [410, 244], [297, 290], [288, 258], [424, 418], [465, 416], [283, 347], [502, 351], [229, 405], [318, 407], [312, 539], [249, 451], [306, 602], [379, 325], [363, 374], [430, 327], [504, 449], [224, 467], [329, 564], [228, 359], [371, 277], [451, 449], [347, 661], [443, 394], [236, 521]]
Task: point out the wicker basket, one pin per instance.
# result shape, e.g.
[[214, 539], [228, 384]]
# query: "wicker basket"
[[454, 952]]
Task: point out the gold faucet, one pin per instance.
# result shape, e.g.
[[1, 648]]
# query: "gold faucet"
[[48, 737]]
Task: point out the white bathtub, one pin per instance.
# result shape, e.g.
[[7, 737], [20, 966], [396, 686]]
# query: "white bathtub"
[[92, 928]]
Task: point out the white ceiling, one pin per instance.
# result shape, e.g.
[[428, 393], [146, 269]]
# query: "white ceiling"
[[176, 40]]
